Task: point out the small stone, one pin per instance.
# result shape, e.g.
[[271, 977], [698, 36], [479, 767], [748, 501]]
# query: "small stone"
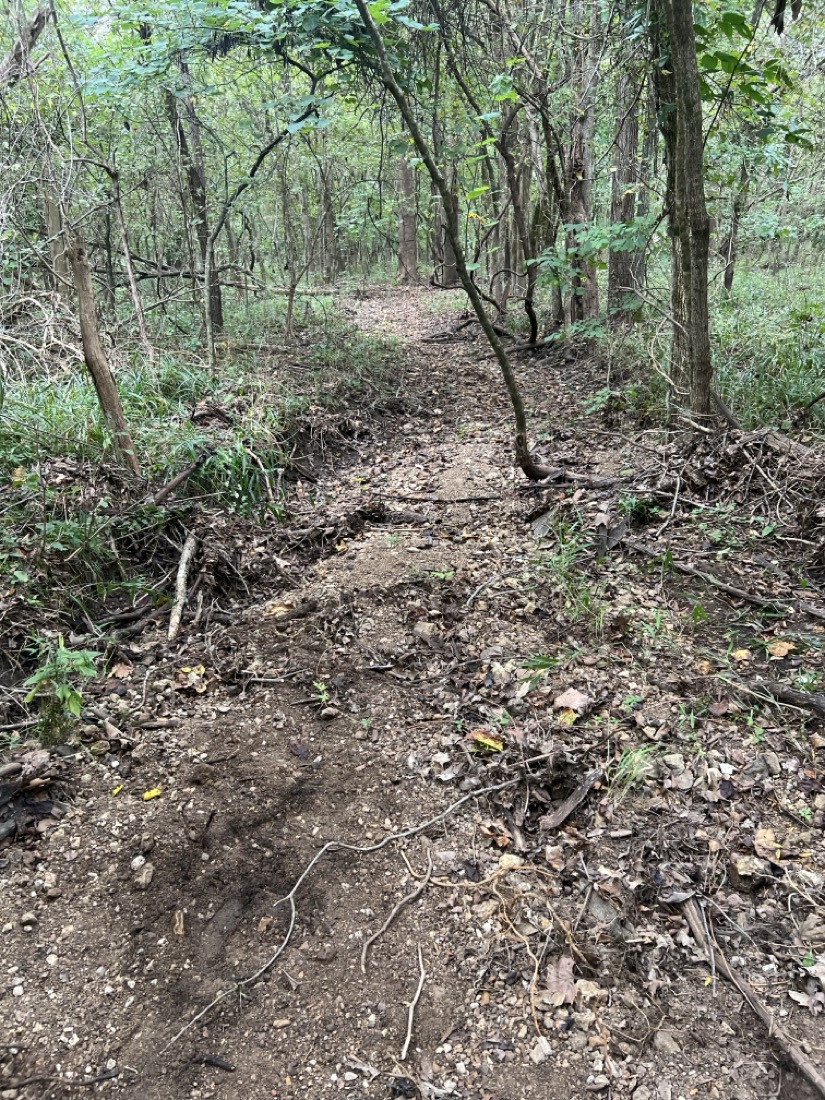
[[577, 1041], [666, 1043], [29, 918], [328, 713], [541, 1051], [143, 878], [664, 1090], [138, 862], [147, 843], [772, 763], [17, 991], [642, 1093]]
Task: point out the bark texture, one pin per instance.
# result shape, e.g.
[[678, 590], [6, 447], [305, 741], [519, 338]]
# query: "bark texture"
[[407, 225], [95, 356], [621, 306]]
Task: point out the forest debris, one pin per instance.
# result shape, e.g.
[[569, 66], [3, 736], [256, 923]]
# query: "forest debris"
[[560, 986], [696, 923], [408, 899], [561, 814], [184, 565], [784, 693], [412, 1004], [573, 699]]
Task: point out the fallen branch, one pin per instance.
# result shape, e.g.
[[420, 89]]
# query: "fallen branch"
[[166, 490], [723, 586], [413, 1003], [181, 586], [784, 693], [407, 900], [330, 846], [696, 923]]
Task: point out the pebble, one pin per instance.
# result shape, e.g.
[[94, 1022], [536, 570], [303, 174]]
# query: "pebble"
[[147, 843], [144, 876], [138, 862], [29, 918], [541, 1051], [666, 1043]]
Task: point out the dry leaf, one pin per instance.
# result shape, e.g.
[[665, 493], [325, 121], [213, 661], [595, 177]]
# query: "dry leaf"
[[574, 700], [741, 655], [560, 986], [764, 844], [779, 648]]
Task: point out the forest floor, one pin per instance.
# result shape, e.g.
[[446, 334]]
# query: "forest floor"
[[440, 627]]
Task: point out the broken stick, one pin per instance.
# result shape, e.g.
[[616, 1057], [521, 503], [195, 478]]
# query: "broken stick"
[[187, 554], [413, 1003], [406, 900], [696, 923]]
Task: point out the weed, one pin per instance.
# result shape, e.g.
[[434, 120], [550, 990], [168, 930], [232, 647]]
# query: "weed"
[[442, 574], [582, 598], [634, 767], [55, 682], [638, 510], [322, 692]]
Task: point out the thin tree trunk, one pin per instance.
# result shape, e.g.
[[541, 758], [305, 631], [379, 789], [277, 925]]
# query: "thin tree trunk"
[[95, 356], [584, 304], [621, 305], [523, 456], [137, 302], [407, 224], [60, 275], [729, 247], [191, 154]]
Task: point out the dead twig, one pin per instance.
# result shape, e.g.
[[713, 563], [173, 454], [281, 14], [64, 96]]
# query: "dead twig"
[[413, 1003], [696, 923], [730, 589], [166, 490], [187, 554], [407, 900], [330, 846]]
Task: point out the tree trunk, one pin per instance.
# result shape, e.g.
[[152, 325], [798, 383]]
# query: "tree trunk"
[[60, 275], [13, 64], [192, 158], [449, 269], [622, 305], [95, 356], [407, 224], [729, 246], [680, 111], [519, 194], [694, 224]]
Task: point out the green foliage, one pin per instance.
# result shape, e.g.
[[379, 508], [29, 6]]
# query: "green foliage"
[[55, 684]]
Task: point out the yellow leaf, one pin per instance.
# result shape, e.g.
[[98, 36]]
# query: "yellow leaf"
[[567, 716], [116, 790], [708, 979], [153, 792], [194, 670], [486, 740], [779, 648], [741, 654]]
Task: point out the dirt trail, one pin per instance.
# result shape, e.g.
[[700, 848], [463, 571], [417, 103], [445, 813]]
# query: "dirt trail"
[[558, 962]]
